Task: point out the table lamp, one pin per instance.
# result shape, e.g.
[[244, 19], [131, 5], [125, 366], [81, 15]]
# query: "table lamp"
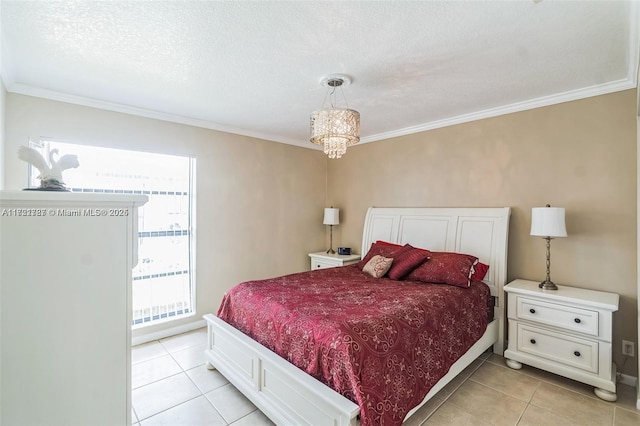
[[548, 222], [331, 217]]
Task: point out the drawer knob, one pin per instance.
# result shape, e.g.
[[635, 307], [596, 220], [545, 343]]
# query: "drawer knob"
[[533, 311], [577, 321], [533, 341], [576, 353]]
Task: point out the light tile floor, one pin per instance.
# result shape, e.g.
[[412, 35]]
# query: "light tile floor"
[[172, 386]]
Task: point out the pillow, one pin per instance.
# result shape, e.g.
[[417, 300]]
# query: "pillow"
[[377, 266], [383, 250], [405, 260], [479, 272], [386, 243], [446, 268]]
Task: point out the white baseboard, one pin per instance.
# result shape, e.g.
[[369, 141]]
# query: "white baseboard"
[[625, 379], [168, 332]]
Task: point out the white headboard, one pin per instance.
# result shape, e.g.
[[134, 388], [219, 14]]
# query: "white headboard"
[[482, 232]]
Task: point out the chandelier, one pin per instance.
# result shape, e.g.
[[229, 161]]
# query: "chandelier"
[[335, 128]]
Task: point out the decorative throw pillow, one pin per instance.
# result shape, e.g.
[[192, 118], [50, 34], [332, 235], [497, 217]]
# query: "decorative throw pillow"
[[447, 268], [377, 266], [479, 272], [377, 249], [405, 260]]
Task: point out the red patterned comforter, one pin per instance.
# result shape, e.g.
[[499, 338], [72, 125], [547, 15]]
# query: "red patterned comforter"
[[381, 343]]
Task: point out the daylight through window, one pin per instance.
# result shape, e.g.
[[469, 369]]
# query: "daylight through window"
[[163, 285]]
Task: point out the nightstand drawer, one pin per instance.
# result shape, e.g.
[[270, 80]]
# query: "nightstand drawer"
[[323, 260], [560, 316], [560, 348], [319, 264]]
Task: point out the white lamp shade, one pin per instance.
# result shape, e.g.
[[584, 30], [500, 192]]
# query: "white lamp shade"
[[331, 216], [548, 222]]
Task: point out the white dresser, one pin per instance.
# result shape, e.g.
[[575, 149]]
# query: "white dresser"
[[323, 259], [567, 332], [65, 292]]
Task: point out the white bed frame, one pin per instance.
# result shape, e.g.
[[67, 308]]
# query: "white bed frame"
[[289, 396]]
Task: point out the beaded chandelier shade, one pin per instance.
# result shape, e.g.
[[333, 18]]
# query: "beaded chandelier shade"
[[336, 128]]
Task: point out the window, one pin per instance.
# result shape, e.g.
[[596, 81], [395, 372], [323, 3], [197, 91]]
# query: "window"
[[163, 280]]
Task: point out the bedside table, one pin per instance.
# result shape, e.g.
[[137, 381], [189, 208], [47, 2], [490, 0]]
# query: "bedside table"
[[566, 331], [322, 260]]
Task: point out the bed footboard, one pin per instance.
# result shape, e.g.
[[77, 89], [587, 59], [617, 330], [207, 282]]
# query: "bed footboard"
[[286, 394]]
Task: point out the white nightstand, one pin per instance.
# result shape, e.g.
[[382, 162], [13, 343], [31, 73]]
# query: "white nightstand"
[[566, 331], [322, 260]]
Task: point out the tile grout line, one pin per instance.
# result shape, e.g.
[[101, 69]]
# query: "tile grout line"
[[156, 381], [198, 387], [529, 402], [169, 408], [183, 371], [452, 392]]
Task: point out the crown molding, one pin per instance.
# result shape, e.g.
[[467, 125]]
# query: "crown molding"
[[23, 89], [602, 89]]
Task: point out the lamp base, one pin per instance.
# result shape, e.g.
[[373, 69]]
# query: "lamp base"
[[331, 251], [547, 285]]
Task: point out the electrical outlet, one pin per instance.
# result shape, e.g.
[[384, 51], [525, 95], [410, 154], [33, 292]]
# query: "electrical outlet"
[[628, 348]]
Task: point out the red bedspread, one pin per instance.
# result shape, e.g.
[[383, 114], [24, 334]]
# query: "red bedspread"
[[381, 343]]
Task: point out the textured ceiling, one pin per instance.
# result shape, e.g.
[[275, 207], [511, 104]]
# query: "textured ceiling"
[[254, 68]]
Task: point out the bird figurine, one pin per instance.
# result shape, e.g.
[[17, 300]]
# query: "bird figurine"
[[51, 172]]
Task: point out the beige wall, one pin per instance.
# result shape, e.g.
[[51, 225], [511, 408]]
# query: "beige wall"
[[259, 204], [637, 245], [579, 155]]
